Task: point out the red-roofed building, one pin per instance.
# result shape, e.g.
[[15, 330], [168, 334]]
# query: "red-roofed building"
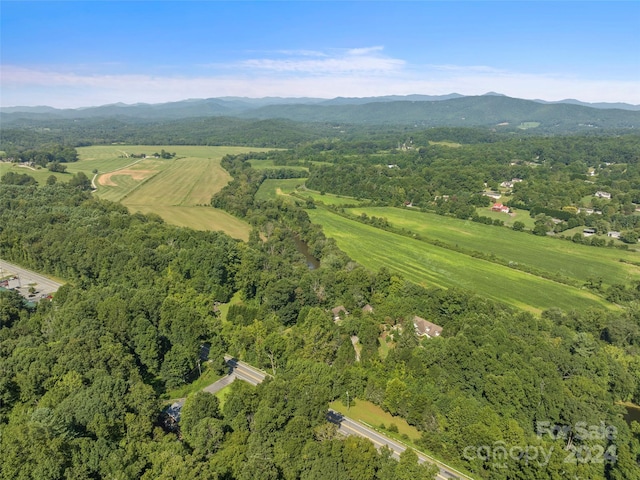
[[498, 207]]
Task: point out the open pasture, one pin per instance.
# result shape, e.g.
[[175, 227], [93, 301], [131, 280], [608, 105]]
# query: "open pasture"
[[179, 190], [578, 262], [508, 218], [40, 174], [274, 188], [430, 265]]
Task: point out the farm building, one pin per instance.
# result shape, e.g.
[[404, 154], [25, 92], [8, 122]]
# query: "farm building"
[[601, 194], [589, 231], [494, 195], [367, 309], [613, 234], [498, 207]]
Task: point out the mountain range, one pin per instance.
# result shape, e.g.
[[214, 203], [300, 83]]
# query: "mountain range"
[[491, 109]]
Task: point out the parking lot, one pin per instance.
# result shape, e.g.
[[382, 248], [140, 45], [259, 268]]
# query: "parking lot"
[[29, 284]]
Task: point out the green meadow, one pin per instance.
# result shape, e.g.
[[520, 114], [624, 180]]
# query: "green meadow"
[[578, 262], [278, 188], [328, 198], [40, 174], [430, 265], [508, 219], [179, 190]]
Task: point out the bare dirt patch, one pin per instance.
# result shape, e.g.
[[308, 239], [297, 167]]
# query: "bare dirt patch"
[[106, 179]]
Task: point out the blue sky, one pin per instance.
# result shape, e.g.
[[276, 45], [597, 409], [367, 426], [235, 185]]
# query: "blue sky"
[[74, 54]]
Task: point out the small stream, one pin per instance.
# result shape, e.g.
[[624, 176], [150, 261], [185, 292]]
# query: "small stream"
[[303, 248]]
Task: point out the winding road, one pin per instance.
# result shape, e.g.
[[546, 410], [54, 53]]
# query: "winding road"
[[346, 425]]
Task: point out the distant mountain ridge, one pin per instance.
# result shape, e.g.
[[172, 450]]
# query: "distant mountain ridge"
[[491, 109]]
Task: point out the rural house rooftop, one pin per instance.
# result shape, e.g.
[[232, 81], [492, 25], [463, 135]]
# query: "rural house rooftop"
[[425, 328]]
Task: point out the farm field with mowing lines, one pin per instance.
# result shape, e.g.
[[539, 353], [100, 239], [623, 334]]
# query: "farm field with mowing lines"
[[575, 261], [430, 265], [179, 190]]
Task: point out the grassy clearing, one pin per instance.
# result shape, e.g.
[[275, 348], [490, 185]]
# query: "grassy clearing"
[[430, 265], [384, 345], [274, 188], [223, 394], [528, 125], [329, 199], [508, 219], [208, 377], [446, 144], [224, 308], [371, 414], [39, 173], [578, 262]]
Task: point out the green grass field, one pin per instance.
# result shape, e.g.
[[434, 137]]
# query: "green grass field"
[[40, 174], [179, 190], [430, 265], [508, 219], [575, 261], [274, 188]]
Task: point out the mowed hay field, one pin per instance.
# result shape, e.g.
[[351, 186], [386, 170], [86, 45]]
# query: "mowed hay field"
[[571, 260], [430, 265], [179, 190]]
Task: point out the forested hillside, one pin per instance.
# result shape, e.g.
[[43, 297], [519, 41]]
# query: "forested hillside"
[[490, 110]]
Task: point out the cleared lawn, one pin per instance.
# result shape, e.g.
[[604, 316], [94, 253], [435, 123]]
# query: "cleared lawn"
[[40, 174], [179, 189], [429, 265], [329, 199], [571, 260], [371, 414], [508, 219], [273, 188], [207, 378]]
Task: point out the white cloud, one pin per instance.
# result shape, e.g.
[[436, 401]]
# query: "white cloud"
[[364, 51], [338, 62]]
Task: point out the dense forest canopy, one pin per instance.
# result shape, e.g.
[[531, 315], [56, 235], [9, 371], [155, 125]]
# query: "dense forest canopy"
[[82, 376]]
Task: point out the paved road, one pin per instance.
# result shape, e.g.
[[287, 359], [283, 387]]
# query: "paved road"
[[245, 371], [348, 426], [237, 369], [43, 285], [252, 375], [215, 387]]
